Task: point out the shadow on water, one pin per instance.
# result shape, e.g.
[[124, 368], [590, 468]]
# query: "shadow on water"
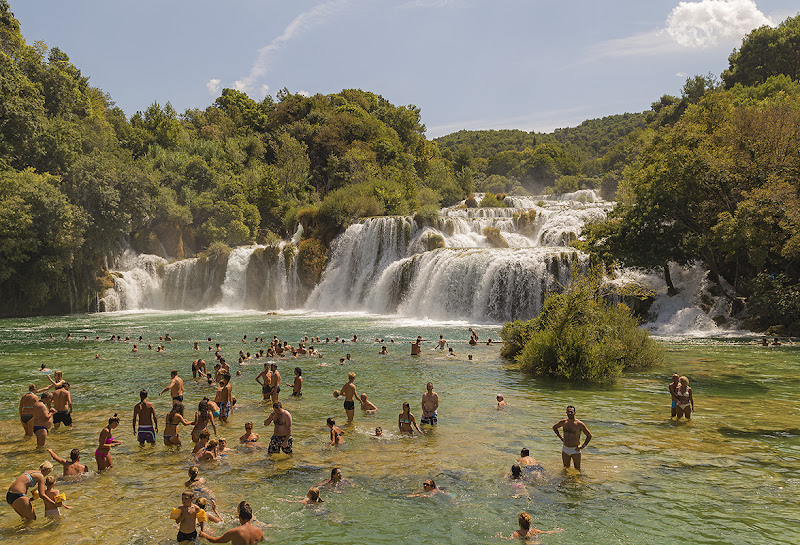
[[759, 433]]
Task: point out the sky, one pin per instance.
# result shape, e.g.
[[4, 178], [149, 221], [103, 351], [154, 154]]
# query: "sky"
[[534, 65]]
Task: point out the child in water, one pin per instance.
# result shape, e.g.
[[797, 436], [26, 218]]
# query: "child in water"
[[187, 516], [52, 498]]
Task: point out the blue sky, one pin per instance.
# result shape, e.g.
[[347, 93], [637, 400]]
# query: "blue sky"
[[468, 64]]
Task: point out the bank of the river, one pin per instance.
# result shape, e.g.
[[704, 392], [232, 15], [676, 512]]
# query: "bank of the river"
[[729, 476]]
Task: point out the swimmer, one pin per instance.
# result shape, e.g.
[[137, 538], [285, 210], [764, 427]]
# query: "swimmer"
[[526, 459], [73, 466], [406, 421], [384, 351], [187, 516], [450, 352], [103, 453], [222, 447], [430, 404], [525, 531], [17, 496], [208, 453], [202, 441], [367, 406], [517, 481], [416, 348], [249, 436], [336, 480], [336, 433], [199, 368], [378, 432], [428, 489], [442, 343], [145, 413], [571, 447], [312, 497], [244, 534], [135, 348], [501, 402], [175, 387], [685, 399], [469, 357], [297, 386], [202, 503], [202, 418]]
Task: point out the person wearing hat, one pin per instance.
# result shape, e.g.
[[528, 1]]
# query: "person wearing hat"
[[17, 497]]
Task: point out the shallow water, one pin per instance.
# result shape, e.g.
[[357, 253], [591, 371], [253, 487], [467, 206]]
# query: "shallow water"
[[730, 476]]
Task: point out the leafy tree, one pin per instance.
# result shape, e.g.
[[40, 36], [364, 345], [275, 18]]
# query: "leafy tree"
[[766, 52]]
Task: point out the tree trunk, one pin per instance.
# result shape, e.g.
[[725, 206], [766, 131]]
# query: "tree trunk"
[[668, 279]]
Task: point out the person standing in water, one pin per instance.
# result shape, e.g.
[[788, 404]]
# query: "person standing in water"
[[26, 407], [685, 400], [17, 495], [297, 386], [73, 466], [350, 393], [264, 378], [244, 534], [430, 403], [103, 453], [62, 403], [175, 387], [275, 382], [571, 447], [145, 412], [673, 386], [281, 439], [42, 419]]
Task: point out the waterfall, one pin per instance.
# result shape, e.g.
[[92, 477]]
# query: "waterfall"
[[234, 287]]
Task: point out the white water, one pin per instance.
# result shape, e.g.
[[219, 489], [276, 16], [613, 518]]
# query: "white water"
[[383, 266]]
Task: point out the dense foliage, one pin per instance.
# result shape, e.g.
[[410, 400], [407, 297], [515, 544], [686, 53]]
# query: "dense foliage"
[[579, 336]]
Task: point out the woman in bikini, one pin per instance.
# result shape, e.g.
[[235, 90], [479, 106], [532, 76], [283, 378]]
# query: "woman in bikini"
[[336, 433], [202, 418], [17, 497], [685, 400], [103, 453], [174, 417], [406, 421], [249, 436]]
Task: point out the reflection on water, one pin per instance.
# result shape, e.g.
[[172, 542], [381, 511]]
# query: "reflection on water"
[[728, 476]]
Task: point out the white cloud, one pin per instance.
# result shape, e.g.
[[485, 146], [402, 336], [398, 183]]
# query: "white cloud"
[[681, 75], [315, 16], [213, 86], [655, 42], [304, 93], [711, 22]]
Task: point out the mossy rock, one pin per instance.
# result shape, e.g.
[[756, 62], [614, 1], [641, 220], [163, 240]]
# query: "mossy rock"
[[434, 241], [311, 258], [494, 237]]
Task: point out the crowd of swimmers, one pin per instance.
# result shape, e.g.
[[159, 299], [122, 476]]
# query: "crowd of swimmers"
[[54, 408]]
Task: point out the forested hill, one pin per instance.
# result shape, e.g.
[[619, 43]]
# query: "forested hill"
[[564, 160]]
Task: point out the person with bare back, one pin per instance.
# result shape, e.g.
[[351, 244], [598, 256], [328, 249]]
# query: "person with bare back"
[[145, 413], [350, 394]]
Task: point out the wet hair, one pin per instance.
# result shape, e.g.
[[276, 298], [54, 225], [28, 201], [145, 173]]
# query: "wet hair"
[[277, 405], [331, 422], [202, 407], [45, 395], [143, 394], [298, 371], [31, 387], [177, 408], [432, 483], [571, 407], [204, 433], [406, 404], [335, 470], [213, 444], [174, 372], [245, 511], [193, 472], [74, 455], [113, 419], [525, 521], [314, 493], [516, 471], [351, 375], [525, 452], [49, 481]]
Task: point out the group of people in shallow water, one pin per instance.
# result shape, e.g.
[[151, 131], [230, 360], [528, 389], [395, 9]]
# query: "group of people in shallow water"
[[39, 415]]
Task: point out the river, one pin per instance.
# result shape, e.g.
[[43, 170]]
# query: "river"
[[730, 476]]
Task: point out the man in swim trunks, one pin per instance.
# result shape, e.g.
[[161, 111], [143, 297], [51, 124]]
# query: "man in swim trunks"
[[673, 387], [175, 387], [571, 447], [62, 402], [430, 402], [42, 418], [224, 397], [281, 439], [199, 367], [264, 378], [73, 466], [350, 393], [145, 412], [26, 409], [275, 382], [245, 534]]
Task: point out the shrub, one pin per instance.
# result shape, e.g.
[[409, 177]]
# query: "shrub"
[[578, 336], [494, 237], [491, 201], [427, 215], [434, 241], [471, 202]]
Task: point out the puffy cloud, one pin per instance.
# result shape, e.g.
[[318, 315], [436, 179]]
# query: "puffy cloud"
[[213, 86], [304, 93], [710, 22]]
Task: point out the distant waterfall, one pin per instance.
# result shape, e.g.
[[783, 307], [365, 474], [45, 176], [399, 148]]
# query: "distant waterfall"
[[479, 264]]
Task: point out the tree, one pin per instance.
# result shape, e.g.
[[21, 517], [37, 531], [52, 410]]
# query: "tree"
[[766, 52]]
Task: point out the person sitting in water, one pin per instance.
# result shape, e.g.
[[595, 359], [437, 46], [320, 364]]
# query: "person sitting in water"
[[501, 402], [336, 433], [367, 406], [249, 436], [73, 466], [244, 534], [384, 351], [207, 453]]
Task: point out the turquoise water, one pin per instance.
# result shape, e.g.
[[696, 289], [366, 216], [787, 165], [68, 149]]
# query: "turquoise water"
[[730, 476]]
